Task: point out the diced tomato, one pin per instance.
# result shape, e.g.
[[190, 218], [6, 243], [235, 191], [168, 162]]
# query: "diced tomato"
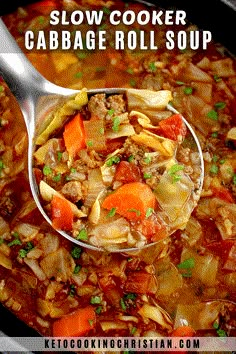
[[173, 127], [44, 7], [152, 228], [183, 331], [222, 249], [62, 214], [222, 193], [110, 289], [141, 282], [127, 172]]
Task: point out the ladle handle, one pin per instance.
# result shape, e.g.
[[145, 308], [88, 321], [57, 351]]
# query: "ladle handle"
[[20, 75]]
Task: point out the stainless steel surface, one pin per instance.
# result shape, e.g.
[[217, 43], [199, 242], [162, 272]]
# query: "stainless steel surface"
[[35, 96]]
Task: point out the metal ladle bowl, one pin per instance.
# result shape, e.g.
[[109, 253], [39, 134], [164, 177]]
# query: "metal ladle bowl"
[[36, 96]]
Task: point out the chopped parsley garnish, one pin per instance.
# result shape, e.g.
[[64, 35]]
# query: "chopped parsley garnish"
[[82, 55], [219, 331], [212, 115], [214, 169], [89, 143], [122, 304], [79, 75], [130, 158], [59, 155], [2, 166], [152, 66], [220, 105], [130, 71], [147, 159], [77, 269], [1, 88], [106, 10], [111, 111], [15, 242], [214, 135], [149, 212], [187, 265], [76, 252], [173, 172], [116, 124], [98, 310], [217, 78], [112, 160], [234, 179], [180, 83], [112, 212], [147, 175], [188, 90], [136, 211], [57, 177], [72, 290], [95, 300], [132, 82], [24, 251], [215, 158], [102, 131], [82, 235], [47, 170]]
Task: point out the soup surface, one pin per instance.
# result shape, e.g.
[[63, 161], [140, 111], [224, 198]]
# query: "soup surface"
[[186, 279]]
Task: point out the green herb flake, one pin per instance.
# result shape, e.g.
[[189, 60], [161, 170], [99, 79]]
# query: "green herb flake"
[[147, 159], [72, 290], [90, 321], [15, 242], [122, 304], [59, 155], [24, 251], [89, 143], [112, 160], [188, 90], [1, 88], [133, 330], [147, 175], [1, 240], [102, 27], [111, 111], [130, 71], [220, 105], [179, 83], [152, 66], [41, 19], [187, 264], [215, 158], [234, 179], [214, 169], [130, 158], [95, 300], [106, 10], [102, 131], [132, 82], [217, 78], [82, 235], [47, 170], [173, 172], [222, 161], [212, 115], [76, 252], [136, 211], [98, 310], [214, 135], [149, 212], [81, 55], [78, 75], [112, 212], [130, 296], [116, 124], [57, 177], [77, 269]]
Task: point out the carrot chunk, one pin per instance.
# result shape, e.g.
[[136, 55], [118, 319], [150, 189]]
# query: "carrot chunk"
[[76, 324], [132, 200], [173, 127], [74, 135], [62, 214]]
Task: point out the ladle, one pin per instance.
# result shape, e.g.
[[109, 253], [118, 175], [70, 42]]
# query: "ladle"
[[36, 95]]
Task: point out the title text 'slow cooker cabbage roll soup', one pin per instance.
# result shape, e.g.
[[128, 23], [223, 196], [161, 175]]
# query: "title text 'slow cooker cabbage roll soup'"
[[116, 175], [185, 282]]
